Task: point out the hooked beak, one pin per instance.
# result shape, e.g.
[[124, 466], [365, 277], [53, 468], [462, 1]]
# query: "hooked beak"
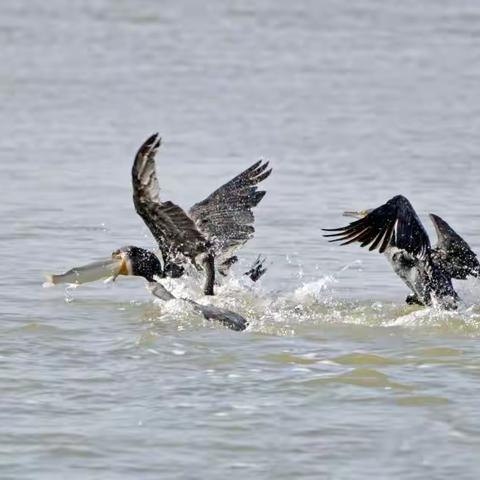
[[125, 265], [356, 213]]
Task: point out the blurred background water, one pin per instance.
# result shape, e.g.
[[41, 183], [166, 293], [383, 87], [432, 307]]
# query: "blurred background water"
[[352, 102]]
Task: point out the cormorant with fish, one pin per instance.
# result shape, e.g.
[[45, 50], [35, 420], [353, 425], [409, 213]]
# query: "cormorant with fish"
[[207, 236], [212, 230]]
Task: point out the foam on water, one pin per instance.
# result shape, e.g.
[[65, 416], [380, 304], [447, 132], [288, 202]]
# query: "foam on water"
[[313, 303]]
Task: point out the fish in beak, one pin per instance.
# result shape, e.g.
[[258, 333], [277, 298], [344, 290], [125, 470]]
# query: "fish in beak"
[[91, 272], [125, 265], [124, 261], [138, 262]]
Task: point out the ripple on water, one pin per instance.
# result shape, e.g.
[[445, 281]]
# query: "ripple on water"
[[421, 401], [289, 358], [364, 359], [361, 377], [440, 352], [35, 328]]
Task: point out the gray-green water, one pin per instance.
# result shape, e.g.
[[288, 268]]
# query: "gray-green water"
[[353, 102]]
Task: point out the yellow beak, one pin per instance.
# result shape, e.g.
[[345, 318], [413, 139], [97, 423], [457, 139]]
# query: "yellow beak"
[[123, 269], [356, 214]]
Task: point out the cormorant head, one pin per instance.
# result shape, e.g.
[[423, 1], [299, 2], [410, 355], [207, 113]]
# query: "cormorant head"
[[357, 213], [139, 262]]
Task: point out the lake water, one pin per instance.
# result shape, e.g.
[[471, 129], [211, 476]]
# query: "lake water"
[[352, 102]]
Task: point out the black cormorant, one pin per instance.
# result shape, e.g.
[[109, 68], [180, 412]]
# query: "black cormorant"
[[212, 230], [395, 230]]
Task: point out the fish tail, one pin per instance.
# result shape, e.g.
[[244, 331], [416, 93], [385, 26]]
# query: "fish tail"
[[50, 280]]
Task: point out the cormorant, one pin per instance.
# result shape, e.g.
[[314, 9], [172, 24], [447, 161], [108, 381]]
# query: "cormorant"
[[395, 230], [207, 236], [211, 231]]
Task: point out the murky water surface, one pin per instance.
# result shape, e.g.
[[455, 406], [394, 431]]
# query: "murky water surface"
[[353, 102]]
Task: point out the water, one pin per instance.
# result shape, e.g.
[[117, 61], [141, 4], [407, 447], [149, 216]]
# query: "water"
[[336, 377]]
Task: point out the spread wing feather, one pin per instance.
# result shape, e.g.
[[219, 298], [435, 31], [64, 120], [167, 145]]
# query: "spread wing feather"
[[171, 227], [226, 216], [394, 224], [452, 252]]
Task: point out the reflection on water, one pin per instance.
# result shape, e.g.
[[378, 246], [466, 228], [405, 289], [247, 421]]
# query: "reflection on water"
[[335, 377]]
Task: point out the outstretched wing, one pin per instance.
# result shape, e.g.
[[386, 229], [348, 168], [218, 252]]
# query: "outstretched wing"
[[452, 252], [394, 224], [171, 227], [226, 216]]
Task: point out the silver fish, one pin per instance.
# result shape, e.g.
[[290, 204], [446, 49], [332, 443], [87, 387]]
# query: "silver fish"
[[91, 272]]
